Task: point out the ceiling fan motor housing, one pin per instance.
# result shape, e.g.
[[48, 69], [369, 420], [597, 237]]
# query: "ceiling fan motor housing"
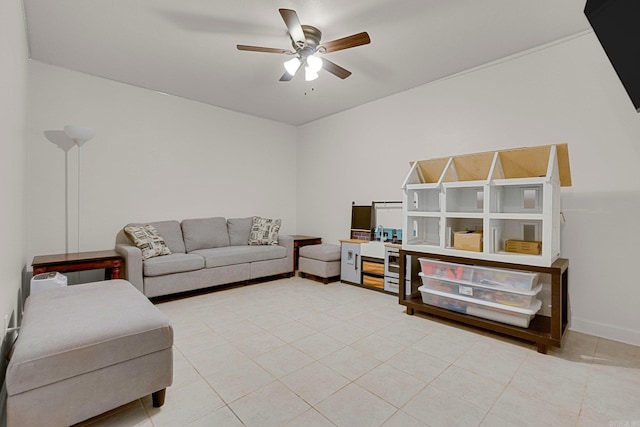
[[312, 36]]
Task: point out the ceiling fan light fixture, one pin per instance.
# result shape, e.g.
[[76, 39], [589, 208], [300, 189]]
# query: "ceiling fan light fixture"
[[314, 63], [309, 74], [292, 66]]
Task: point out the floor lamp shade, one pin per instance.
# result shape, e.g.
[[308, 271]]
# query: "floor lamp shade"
[[60, 138], [78, 134]]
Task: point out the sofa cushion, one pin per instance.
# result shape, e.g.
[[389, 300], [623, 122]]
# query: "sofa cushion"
[[240, 254], [170, 231], [174, 263], [239, 230], [147, 239], [205, 233], [264, 231]]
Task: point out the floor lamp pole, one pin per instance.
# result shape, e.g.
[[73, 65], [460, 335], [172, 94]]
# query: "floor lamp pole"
[[79, 151], [66, 202]]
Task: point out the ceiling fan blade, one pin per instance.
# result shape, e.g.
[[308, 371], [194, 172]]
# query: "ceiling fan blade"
[[346, 42], [292, 22], [286, 77], [335, 69], [261, 49]]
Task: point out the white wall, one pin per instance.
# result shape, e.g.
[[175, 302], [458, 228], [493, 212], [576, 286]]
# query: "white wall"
[[154, 157], [13, 152], [567, 92]]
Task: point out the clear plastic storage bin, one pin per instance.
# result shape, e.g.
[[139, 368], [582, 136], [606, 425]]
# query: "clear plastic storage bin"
[[500, 295], [497, 278], [516, 316]]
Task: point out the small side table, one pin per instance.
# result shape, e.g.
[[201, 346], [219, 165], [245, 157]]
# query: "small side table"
[[110, 260], [299, 241]]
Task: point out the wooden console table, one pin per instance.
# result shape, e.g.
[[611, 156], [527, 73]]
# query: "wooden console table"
[[544, 331], [299, 241], [110, 260]]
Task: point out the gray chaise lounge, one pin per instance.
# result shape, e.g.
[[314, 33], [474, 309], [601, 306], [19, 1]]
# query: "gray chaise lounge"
[[86, 349]]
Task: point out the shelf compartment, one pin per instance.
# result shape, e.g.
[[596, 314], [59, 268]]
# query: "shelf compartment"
[[515, 316], [463, 223], [423, 200], [519, 199], [464, 199], [499, 295], [423, 230], [501, 230]]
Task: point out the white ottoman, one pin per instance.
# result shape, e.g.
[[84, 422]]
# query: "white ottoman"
[[84, 350], [320, 262]]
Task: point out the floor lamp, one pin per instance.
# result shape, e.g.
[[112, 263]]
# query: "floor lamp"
[[66, 139]]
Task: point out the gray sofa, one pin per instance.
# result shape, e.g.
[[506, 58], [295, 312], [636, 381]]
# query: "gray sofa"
[[205, 252]]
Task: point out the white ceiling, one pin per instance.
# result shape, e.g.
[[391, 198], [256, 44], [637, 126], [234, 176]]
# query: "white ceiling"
[[188, 47]]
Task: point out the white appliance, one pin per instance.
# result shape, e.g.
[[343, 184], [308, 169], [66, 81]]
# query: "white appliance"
[[49, 280]]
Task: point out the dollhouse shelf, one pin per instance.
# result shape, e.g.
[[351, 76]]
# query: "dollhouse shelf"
[[508, 195]]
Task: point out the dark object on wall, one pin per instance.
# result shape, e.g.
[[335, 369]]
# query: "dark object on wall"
[[361, 218], [617, 25]]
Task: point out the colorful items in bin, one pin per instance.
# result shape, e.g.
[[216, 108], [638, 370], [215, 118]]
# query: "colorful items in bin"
[[516, 316], [448, 303], [495, 277], [505, 278], [501, 296], [452, 271]]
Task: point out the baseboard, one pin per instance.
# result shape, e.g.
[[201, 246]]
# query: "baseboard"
[[604, 330]]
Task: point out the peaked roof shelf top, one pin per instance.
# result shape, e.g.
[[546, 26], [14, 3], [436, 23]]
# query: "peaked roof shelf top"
[[528, 162]]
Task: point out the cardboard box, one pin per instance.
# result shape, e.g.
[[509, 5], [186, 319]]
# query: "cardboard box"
[[530, 247], [468, 240]]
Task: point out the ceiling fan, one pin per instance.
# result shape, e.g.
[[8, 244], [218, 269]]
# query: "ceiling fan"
[[305, 40]]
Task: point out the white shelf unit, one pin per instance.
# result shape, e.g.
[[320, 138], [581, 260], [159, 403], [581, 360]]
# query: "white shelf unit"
[[508, 194]]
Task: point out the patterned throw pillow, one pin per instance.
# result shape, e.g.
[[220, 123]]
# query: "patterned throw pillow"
[[147, 239], [264, 231]]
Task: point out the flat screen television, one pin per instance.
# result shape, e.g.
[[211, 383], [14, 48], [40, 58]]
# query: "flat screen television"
[[361, 218], [616, 23]]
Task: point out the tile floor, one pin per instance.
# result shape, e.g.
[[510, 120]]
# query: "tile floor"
[[295, 352]]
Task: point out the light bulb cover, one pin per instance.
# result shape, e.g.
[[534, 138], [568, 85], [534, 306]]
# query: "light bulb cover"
[[314, 62], [292, 66], [78, 134], [309, 74]]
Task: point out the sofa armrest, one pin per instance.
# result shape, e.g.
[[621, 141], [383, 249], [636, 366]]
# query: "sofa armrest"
[[287, 242], [133, 264]]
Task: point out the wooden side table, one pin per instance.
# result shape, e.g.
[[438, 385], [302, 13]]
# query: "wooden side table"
[[299, 241], [110, 260]]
